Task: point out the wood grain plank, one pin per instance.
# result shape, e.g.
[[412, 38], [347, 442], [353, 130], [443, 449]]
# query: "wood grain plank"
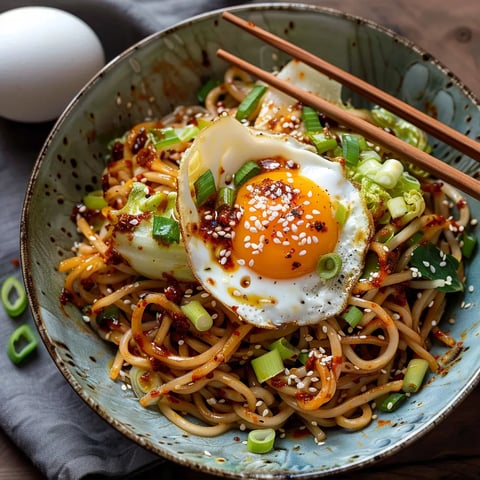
[[450, 32]]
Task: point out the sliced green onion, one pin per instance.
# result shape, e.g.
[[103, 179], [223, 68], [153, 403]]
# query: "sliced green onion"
[[197, 314], [368, 168], [468, 243], [205, 89], [166, 229], [414, 239], [389, 173], [225, 197], [385, 234], [107, 314], [311, 122], [204, 187], [21, 344], [286, 350], [329, 266], [151, 203], [341, 213], [250, 102], [247, 171], [143, 381], [322, 142], [187, 133], [261, 440], [303, 357], [203, 122], [350, 149], [94, 200], [397, 207], [392, 402], [414, 375], [164, 137], [372, 265], [353, 315], [268, 365], [14, 297]]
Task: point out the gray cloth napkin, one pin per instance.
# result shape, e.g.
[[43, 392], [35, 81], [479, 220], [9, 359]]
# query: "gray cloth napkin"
[[40, 412]]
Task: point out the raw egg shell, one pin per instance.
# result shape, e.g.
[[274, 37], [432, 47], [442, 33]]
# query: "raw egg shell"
[[46, 56]]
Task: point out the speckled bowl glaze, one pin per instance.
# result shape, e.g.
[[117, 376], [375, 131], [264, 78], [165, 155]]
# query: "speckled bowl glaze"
[[148, 80]]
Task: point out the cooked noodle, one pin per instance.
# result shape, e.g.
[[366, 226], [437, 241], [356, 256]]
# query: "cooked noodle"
[[202, 381]]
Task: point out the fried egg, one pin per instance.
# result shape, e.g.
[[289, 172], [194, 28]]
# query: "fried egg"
[[259, 257]]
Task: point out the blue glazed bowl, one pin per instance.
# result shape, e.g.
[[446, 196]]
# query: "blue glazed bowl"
[[148, 80]]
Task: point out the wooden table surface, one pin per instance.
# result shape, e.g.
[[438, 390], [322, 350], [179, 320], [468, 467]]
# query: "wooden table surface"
[[448, 30]]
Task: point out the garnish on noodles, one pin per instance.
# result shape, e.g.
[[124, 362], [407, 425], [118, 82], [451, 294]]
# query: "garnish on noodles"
[[258, 266]]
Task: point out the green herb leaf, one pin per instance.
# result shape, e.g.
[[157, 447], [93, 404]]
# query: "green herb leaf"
[[433, 264]]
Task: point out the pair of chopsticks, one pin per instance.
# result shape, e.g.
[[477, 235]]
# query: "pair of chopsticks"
[[436, 167]]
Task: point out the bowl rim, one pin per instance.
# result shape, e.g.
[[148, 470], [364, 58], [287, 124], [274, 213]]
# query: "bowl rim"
[[26, 257]]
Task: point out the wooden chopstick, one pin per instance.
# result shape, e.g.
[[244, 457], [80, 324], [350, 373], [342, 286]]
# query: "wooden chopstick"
[[425, 122], [427, 162]]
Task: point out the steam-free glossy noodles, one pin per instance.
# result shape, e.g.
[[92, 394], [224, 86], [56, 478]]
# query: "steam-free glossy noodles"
[[192, 339]]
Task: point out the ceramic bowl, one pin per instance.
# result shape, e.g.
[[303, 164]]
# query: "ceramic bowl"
[[148, 80]]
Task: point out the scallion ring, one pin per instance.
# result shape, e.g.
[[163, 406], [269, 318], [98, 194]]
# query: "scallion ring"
[[198, 315], [250, 102], [261, 440], [14, 297], [329, 266], [166, 229], [414, 375], [247, 171], [268, 365], [204, 187], [21, 344], [94, 200]]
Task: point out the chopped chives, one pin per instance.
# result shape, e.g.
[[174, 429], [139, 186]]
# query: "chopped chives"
[[198, 315], [250, 102], [247, 171], [311, 122], [329, 266], [261, 440], [414, 375], [166, 229], [267, 365], [286, 350], [204, 187], [392, 402], [353, 315], [94, 200]]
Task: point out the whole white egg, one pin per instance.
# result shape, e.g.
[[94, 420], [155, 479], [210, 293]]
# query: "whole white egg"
[[46, 56]]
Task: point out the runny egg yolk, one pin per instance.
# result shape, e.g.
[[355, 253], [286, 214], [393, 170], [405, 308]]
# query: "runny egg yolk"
[[287, 224]]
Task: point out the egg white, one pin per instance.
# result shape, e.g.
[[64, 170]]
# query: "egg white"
[[223, 148]]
